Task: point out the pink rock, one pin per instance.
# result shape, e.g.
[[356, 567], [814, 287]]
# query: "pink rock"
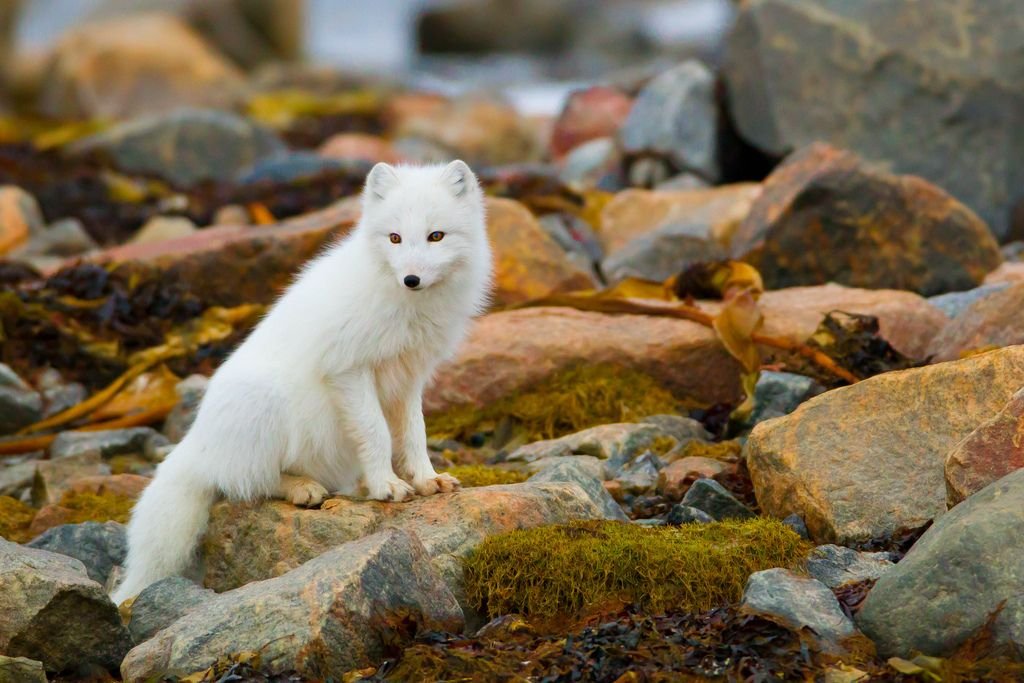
[[987, 454], [596, 112]]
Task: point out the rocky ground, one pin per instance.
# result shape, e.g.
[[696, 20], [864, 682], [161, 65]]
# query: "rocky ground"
[[748, 405]]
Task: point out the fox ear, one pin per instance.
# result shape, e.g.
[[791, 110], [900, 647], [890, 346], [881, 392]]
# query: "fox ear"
[[458, 177], [380, 180]]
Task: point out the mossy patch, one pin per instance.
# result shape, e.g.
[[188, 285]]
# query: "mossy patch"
[[15, 519], [86, 506], [567, 402], [471, 476], [722, 450], [561, 570]]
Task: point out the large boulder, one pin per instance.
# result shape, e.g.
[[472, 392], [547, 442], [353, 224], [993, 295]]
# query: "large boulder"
[[954, 578], [866, 461], [987, 454], [992, 321], [825, 215], [129, 66], [934, 93], [54, 613], [337, 612]]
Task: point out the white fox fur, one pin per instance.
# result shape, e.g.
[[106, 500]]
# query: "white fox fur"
[[325, 393]]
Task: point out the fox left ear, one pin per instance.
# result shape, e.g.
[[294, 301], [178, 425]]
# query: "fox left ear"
[[458, 177], [380, 180]]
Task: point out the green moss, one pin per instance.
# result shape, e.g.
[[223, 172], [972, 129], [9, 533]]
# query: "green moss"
[[86, 506], [562, 570], [569, 401], [15, 519], [484, 475], [723, 450]]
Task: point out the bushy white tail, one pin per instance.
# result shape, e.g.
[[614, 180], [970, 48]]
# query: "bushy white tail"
[[165, 527]]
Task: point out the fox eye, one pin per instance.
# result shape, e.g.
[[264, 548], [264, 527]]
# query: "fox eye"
[[435, 236], [395, 238]]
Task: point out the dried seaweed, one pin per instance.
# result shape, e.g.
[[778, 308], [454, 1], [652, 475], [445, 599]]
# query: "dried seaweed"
[[854, 341]]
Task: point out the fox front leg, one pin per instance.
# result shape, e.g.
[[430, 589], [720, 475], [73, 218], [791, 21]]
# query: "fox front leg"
[[410, 437]]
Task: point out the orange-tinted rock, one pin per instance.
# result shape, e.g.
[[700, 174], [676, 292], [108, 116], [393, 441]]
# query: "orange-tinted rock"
[[826, 215], [596, 112], [867, 461], [714, 213], [676, 477], [127, 485], [20, 218], [128, 66], [359, 146], [511, 350], [994, 321], [988, 454], [528, 263]]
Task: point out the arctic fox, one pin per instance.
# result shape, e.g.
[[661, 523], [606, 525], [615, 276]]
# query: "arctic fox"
[[325, 393]]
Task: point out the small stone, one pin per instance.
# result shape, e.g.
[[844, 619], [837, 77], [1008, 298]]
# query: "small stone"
[[18, 409], [585, 471], [835, 565], [60, 398], [660, 255], [56, 614], [677, 477], [780, 393], [616, 444], [231, 214], [799, 602], [106, 443], [21, 670], [16, 474], [684, 514], [797, 524], [9, 379], [52, 478], [596, 112], [573, 234], [640, 475], [711, 497], [64, 238], [97, 546], [20, 218], [190, 392], [682, 429], [595, 164], [160, 228], [163, 603]]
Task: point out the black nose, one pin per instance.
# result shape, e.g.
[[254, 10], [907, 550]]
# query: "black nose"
[[411, 281]]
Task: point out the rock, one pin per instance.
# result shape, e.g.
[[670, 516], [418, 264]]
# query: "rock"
[[684, 514], [52, 478], [185, 146], [682, 429], [800, 71], [450, 526], [713, 214], [18, 408], [528, 264], [359, 147], [21, 670], [865, 461], [675, 120], [160, 228], [660, 255], [1009, 626], [573, 234], [835, 565], [799, 602], [584, 471], [107, 444], [99, 547], [231, 214], [290, 167], [675, 479], [1008, 272], [63, 238], [335, 613], [615, 444], [596, 112], [190, 392], [826, 216], [123, 67], [780, 393], [993, 450], [55, 614], [683, 181], [594, 164], [1014, 251], [992, 321], [106, 497], [20, 218], [639, 475], [955, 303], [707, 495], [16, 475], [60, 398], [163, 603], [520, 348], [796, 523], [953, 578]]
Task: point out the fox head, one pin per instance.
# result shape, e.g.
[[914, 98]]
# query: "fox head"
[[425, 224]]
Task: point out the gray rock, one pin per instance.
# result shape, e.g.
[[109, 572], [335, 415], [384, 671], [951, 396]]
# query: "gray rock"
[[800, 71], [54, 613], [136, 440], [163, 603], [661, 254], [185, 146], [100, 547], [16, 474], [674, 117], [60, 398], [190, 393], [955, 303], [1014, 251], [680, 428], [780, 393], [573, 234], [797, 524], [19, 407], [684, 514], [1009, 627], [640, 475], [10, 379], [799, 602], [54, 477], [333, 614], [835, 565], [21, 670], [615, 443], [711, 497], [581, 470], [594, 164], [63, 238], [288, 167], [953, 578]]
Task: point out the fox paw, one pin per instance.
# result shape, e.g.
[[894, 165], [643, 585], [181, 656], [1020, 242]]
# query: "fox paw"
[[393, 489], [439, 483], [306, 493]]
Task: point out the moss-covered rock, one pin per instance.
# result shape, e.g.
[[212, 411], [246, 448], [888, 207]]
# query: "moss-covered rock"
[[471, 476], [563, 570], [77, 506], [567, 402], [15, 519]]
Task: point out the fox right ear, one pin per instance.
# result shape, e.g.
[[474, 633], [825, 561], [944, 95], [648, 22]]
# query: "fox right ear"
[[380, 180]]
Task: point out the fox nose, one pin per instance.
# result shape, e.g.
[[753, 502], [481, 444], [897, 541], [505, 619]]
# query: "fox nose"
[[411, 281]]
